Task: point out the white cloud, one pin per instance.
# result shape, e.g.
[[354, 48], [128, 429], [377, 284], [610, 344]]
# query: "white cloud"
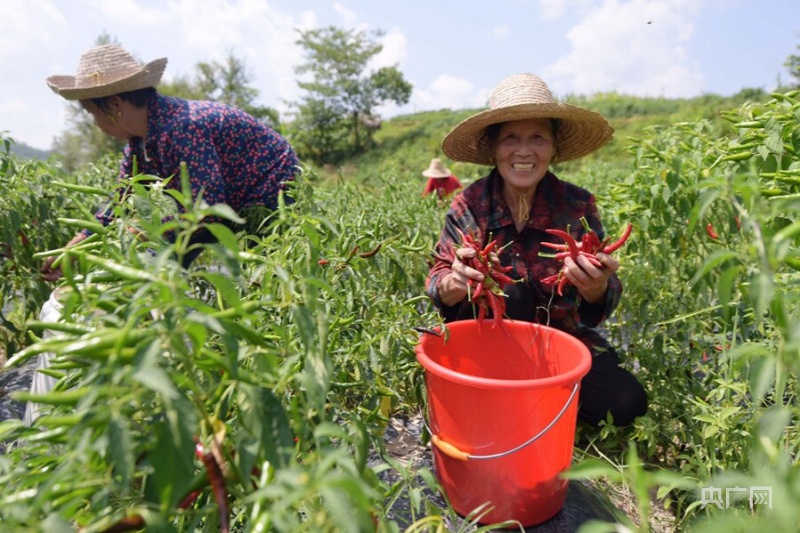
[[349, 17], [556, 9], [614, 48], [394, 51], [445, 92], [130, 12], [501, 33], [33, 34]]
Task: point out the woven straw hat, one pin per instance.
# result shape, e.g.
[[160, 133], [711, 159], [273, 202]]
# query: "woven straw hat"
[[106, 70], [436, 169], [526, 96]]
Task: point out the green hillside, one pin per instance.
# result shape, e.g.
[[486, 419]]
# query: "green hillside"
[[23, 151], [405, 144]]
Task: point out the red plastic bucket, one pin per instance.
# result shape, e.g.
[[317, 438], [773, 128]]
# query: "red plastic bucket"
[[502, 412]]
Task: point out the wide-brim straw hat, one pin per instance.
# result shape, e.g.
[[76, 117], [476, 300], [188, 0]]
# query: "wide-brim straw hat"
[[106, 70], [526, 96], [436, 169]]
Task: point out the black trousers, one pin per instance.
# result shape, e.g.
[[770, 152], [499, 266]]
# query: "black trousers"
[[257, 218], [607, 388]]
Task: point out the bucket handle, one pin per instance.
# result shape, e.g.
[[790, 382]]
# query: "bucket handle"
[[451, 450]]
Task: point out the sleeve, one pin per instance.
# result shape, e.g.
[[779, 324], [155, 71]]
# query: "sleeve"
[[592, 315], [105, 213], [429, 187], [444, 252]]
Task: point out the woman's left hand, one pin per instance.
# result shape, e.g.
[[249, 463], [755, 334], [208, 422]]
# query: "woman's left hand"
[[590, 280]]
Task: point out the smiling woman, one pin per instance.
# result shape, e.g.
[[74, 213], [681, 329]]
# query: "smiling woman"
[[517, 207]]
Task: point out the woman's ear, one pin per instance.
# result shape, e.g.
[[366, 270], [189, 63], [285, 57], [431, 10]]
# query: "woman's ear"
[[115, 105]]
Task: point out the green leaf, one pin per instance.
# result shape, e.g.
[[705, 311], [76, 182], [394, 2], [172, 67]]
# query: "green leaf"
[[760, 292], [762, 377], [717, 258], [772, 424], [172, 457], [55, 524], [156, 522], [223, 211], [157, 380], [120, 448], [264, 419], [593, 469]]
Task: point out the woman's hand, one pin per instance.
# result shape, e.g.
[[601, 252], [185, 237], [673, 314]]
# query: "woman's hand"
[[138, 234], [453, 286], [54, 274], [590, 280]]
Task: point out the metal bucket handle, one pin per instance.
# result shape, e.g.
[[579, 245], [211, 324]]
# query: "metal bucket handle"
[[451, 450]]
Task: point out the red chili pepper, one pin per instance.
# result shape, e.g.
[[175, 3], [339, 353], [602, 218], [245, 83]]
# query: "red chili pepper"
[[562, 284], [478, 290], [129, 523], [189, 500], [554, 245], [488, 249], [497, 303], [572, 246], [487, 294], [616, 245], [586, 243], [24, 238], [551, 279], [501, 278], [711, 232], [217, 480], [371, 252]]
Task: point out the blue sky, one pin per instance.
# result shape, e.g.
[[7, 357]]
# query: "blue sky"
[[452, 51]]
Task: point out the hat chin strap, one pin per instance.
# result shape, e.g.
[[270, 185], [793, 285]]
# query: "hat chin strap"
[[522, 200]]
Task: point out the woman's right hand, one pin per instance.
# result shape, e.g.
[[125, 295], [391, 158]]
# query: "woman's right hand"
[[54, 274], [453, 286]]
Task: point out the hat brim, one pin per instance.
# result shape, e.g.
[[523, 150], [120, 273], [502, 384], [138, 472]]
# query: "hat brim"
[[433, 174], [148, 75], [580, 131]]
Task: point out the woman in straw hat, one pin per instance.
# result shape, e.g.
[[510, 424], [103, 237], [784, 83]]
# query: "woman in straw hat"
[[232, 157], [520, 135], [440, 179]]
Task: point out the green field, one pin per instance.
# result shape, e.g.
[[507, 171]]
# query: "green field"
[[288, 367]]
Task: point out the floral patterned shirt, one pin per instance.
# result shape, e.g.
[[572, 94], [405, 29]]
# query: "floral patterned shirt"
[[231, 156], [482, 209]]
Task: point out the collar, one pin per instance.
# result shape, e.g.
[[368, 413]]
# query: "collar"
[[541, 211]]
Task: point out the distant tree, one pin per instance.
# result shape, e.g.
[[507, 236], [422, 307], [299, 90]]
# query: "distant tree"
[[335, 118], [228, 82], [793, 64], [83, 143]]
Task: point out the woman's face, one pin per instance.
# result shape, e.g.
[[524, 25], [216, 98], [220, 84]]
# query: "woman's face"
[[523, 151], [105, 121]]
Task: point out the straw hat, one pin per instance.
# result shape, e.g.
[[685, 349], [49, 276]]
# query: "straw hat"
[[526, 96], [436, 169], [106, 70]]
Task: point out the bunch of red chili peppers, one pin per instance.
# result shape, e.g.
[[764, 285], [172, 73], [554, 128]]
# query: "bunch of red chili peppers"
[[487, 293], [589, 247]]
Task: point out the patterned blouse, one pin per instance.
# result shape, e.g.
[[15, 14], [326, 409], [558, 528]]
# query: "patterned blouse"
[[230, 155], [482, 209]]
